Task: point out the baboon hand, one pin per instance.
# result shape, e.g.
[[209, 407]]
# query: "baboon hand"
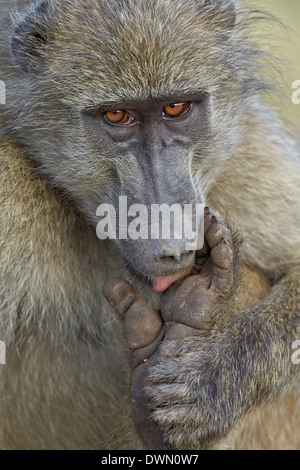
[[187, 310], [188, 306]]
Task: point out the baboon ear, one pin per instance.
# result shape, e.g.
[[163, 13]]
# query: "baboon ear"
[[32, 34], [225, 11]]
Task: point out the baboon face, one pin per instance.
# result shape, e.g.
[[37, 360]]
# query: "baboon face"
[[126, 101]]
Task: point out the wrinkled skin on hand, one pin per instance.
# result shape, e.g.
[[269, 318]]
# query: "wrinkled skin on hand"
[[187, 312]]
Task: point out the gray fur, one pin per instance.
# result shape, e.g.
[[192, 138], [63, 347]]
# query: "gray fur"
[[67, 365]]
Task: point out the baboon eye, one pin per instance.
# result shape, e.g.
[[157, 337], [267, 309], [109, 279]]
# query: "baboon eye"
[[119, 117], [177, 109]]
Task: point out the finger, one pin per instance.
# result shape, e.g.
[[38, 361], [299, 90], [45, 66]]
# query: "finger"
[[191, 303], [222, 274], [142, 323], [144, 354], [222, 255], [178, 331], [215, 230], [119, 294]]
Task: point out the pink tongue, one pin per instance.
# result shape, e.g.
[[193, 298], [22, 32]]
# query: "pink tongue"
[[161, 284]]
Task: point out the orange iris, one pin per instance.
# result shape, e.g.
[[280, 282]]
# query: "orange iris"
[[119, 117], [177, 109]]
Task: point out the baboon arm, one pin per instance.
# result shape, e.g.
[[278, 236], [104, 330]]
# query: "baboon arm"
[[201, 388]]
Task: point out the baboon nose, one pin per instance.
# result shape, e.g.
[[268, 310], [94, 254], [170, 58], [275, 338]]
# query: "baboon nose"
[[173, 266], [178, 257]]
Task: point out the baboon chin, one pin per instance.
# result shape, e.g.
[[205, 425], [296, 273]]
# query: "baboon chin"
[[145, 342]]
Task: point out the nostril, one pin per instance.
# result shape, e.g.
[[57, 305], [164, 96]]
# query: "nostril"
[[170, 258], [178, 257]]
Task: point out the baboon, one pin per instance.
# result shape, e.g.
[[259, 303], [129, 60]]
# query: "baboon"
[[161, 101]]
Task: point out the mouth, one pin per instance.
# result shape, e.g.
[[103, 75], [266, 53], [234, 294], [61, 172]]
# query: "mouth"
[[160, 284]]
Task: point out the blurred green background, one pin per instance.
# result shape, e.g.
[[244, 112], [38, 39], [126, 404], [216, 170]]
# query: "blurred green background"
[[285, 44]]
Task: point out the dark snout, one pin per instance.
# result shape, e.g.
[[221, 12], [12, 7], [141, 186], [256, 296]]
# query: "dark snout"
[[171, 253], [160, 261], [167, 250]]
